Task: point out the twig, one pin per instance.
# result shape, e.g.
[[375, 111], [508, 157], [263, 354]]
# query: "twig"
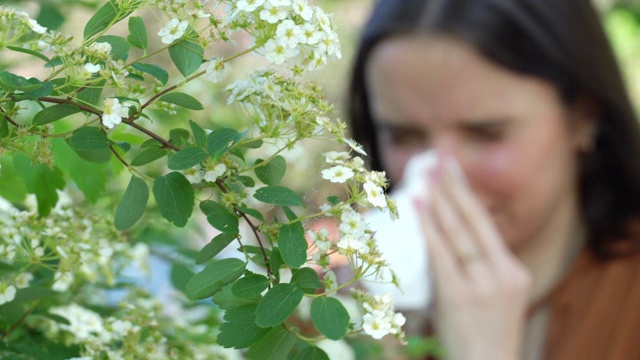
[[18, 323]]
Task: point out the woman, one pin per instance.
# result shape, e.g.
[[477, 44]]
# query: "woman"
[[532, 224]]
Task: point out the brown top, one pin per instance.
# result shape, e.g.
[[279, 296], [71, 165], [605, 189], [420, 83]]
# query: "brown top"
[[595, 311]]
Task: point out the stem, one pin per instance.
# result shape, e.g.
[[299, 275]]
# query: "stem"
[[19, 322], [169, 89], [165, 143], [115, 152], [243, 52], [302, 337]]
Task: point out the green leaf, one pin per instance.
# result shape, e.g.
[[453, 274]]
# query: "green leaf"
[[10, 81], [179, 136], [250, 286], [278, 304], [275, 261], [102, 19], [226, 300], [186, 55], [330, 317], [198, 134], [292, 245], [276, 345], [214, 247], [312, 353], [182, 99], [220, 217], [119, 46], [148, 155], [186, 158], [50, 17], [91, 178], [272, 172], [137, 33], [278, 195], [54, 113], [12, 186], [4, 127], [251, 212], [246, 180], [92, 95], [220, 140], [133, 204], [153, 70], [240, 331], [44, 88], [175, 197], [41, 180], [306, 279], [91, 144], [333, 200], [213, 277], [253, 144], [30, 52], [180, 276]]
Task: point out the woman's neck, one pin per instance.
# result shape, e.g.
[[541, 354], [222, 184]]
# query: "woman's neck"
[[551, 253]]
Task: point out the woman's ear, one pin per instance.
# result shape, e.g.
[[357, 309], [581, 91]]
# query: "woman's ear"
[[585, 114]]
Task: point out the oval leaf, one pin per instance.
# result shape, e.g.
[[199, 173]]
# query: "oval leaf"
[[330, 317], [277, 305], [91, 144], [186, 55], [278, 195], [182, 99], [213, 278], [220, 217], [240, 330], [250, 286], [175, 197], [220, 140], [198, 134], [148, 155], [154, 70], [54, 113], [272, 172], [214, 247], [292, 245], [105, 16], [306, 279], [312, 353], [276, 345], [133, 204], [186, 158], [137, 33]]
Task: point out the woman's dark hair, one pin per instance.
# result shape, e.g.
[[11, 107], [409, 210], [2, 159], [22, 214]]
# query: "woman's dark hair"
[[561, 41]]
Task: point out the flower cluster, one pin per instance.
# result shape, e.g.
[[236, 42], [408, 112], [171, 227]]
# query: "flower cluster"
[[289, 31], [15, 25], [379, 317]]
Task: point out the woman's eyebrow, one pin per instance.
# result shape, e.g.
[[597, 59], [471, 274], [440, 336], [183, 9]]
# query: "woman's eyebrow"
[[482, 123]]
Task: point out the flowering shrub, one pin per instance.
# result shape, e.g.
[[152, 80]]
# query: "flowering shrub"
[[93, 114]]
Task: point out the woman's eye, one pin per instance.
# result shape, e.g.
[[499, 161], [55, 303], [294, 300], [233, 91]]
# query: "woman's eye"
[[407, 138], [487, 134]]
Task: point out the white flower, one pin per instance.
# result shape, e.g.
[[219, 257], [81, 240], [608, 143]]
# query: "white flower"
[[289, 34], [113, 112], [215, 173], [91, 68], [303, 9], [173, 30], [121, 327], [273, 14], [216, 70], [375, 194], [249, 5], [7, 294], [277, 53], [194, 174], [62, 281], [351, 244], [84, 324], [36, 27], [99, 49], [337, 174], [376, 325], [23, 280], [198, 13], [352, 223], [355, 146], [279, 2], [311, 33], [336, 157]]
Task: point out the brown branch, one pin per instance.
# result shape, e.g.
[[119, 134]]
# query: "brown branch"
[[115, 152], [18, 323], [165, 143], [169, 89], [9, 119], [70, 102]]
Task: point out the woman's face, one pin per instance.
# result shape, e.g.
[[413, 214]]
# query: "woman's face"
[[512, 135]]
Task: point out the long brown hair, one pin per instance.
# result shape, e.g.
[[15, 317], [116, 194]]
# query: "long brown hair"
[[560, 41]]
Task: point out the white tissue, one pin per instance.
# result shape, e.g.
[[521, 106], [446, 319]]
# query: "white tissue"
[[402, 242]]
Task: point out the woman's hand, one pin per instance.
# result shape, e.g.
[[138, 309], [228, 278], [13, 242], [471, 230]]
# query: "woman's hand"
[[480, 286]]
